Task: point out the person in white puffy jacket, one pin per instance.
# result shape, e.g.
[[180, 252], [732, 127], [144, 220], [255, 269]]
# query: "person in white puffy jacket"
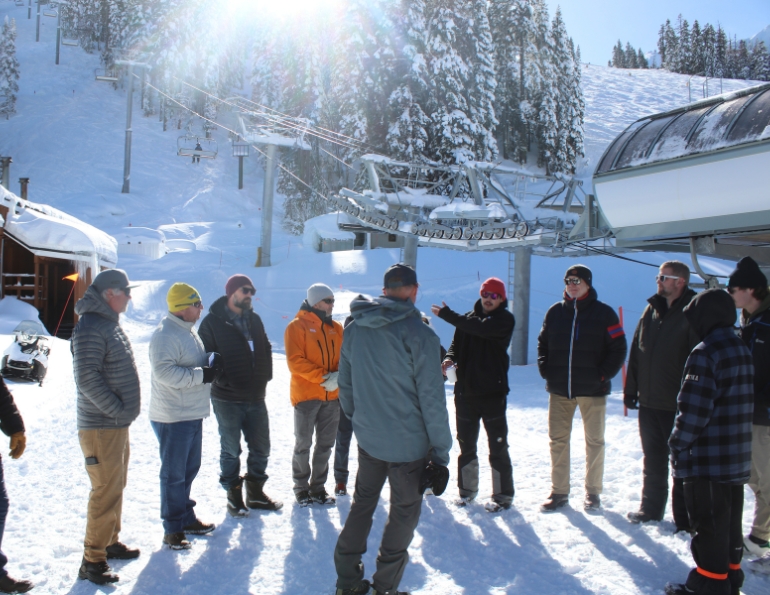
[[181, 375]]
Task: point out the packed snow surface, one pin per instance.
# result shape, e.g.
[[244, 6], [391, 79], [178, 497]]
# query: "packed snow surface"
[[68, 138]]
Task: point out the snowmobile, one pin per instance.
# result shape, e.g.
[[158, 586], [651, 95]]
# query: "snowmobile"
[[27, 357]]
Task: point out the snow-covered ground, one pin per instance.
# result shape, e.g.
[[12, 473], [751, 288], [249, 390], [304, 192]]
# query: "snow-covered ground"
[[68, 138]]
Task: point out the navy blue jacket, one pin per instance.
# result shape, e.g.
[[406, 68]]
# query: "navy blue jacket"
[[712, 432], [580, 349]]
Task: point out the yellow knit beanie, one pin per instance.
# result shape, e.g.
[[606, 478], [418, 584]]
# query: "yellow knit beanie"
[[180, 296]]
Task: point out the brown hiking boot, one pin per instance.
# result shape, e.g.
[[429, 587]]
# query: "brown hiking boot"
[[120, 551], [176, 541], [11, 585], [554, 502]]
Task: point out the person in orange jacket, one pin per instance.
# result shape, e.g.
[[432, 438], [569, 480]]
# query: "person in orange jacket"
[[313, 343]]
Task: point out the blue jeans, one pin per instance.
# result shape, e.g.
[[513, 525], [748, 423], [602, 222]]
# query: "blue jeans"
[[342, 449], [251, 420], [180, 460], [3, 514]]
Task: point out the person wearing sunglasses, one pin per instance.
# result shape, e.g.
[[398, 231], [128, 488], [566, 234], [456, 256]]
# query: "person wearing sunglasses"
[[581, 347], [313, 342], [182, 373], [479, 349], [748, 287], [109, 400], [659, 349], [235, 331]]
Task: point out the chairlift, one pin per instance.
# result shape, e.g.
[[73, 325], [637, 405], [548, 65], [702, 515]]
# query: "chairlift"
[[19, 2], [50, 13], [196, 146], [109, 75], [69, 39]]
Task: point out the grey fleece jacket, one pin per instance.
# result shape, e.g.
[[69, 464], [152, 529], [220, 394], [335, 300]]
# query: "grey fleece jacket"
[[390, 382], [105, 372], [177, 357]]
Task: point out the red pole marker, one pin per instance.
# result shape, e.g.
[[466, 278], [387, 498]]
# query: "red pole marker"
[[620, 315]]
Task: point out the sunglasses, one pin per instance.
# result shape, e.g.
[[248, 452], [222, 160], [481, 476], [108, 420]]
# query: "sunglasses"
[[248, 290], [663, 278], [197, 304], [126, 291], [732, 290], [490, 295], [573, 281], [329, 301]]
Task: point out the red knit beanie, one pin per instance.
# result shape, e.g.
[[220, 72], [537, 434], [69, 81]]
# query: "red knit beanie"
[[235, 282], [493, 285]]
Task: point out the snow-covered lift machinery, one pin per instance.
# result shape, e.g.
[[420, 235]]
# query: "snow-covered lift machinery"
[[257, 128], [693, 179]]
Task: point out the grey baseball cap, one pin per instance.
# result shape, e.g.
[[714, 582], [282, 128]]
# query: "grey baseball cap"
[[112, 279]]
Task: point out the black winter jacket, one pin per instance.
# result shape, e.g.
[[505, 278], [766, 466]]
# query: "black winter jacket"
[[246, 373], [662, 342], [480, 349], [755, 332], [10, 418], [579, 351]]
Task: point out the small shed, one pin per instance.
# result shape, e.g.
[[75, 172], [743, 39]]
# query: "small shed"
[[142, 240], [39, 247], [322, 234]]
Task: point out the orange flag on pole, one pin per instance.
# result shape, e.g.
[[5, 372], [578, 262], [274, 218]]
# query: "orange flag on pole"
[[72, 277]]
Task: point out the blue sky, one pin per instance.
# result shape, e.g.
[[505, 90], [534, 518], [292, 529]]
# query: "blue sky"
[[596, 25]]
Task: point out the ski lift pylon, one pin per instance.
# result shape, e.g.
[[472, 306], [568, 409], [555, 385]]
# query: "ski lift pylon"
[[196, 146]]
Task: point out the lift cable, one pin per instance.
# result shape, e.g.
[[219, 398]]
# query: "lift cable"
[[301, 181], [284, 120]]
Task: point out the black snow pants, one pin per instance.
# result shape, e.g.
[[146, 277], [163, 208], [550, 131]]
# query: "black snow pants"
[[716, 514], [470, 412], [655, 427]]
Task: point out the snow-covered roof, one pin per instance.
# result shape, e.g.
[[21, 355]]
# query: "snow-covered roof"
[[47, 231], [325, 227], [708, 125]]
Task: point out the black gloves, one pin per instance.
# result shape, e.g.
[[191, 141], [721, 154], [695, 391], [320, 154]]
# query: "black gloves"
[[209, 375], [214, 370], [436, 477], [631, 401]]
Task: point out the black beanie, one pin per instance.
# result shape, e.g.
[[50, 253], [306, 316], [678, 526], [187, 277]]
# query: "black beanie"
[[747, 275], [581, 272]]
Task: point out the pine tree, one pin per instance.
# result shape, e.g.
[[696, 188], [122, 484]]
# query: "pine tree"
[[662, 39], [575, 113], [9, 68], [482, 82], [618, 56], [698, 54], [641, 59], [451, 130], [631, 60], [408, 124], [760, 62], [671, 41]]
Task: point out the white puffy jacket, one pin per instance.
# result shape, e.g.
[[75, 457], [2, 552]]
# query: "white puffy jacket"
[[177, 356]]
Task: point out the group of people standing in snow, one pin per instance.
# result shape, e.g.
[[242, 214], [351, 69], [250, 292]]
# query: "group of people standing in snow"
[[695, 382]]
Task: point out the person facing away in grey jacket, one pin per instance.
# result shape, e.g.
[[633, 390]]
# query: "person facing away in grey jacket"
[[392, 389], [108, 401], [181, 378]]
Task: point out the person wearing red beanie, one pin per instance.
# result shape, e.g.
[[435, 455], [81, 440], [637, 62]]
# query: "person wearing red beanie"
[[480, 351]]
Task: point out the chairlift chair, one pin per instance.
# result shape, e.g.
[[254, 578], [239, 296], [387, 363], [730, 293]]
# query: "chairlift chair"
[[70, 40], [19, 2], [50, 13], [196, 146], [109, 75]]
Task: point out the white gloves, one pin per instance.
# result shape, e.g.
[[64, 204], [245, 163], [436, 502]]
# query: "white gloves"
[[330, 381]]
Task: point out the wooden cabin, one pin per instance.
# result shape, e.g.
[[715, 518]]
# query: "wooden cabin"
[[40, 247]]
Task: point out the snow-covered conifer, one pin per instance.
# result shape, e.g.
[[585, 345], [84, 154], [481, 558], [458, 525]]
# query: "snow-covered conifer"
[[9, 68]]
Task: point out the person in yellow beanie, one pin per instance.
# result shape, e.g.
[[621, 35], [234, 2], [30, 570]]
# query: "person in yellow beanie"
[[181, 375]]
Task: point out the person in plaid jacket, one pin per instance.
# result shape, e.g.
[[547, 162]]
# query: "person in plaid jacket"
[[711, 444]]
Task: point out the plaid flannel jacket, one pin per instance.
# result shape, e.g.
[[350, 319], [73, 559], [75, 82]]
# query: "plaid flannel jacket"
[[712, 433]]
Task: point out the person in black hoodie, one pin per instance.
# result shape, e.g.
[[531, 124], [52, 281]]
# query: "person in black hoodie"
[[711, 445], [748, 286], [235, 331], [580, 348], [12, 425], [479, 350], [662, 341]]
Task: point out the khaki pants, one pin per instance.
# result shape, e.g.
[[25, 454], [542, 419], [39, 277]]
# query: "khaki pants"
[[561, 410], [106, 452], [760, 480]]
